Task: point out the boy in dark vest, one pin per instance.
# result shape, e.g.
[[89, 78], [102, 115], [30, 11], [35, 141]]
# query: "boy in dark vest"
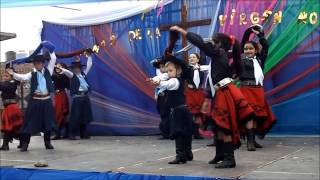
[[81, 113], [39, 115]]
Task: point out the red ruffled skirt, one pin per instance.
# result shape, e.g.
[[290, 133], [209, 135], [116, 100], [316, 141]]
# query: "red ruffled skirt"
[[194, 99], [12, 118], [61, 106], [264, 115], [231, 111]]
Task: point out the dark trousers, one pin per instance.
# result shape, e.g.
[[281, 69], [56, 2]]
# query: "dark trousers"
[[25, 138], [183, 147]]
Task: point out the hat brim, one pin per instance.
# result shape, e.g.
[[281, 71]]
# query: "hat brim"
[[156, 63]]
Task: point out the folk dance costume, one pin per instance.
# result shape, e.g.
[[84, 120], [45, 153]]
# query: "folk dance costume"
[[229, 105], [195, 96], [11, 117], [81, 112], [61, 103], [251, 85], [39, 115], [180, 117], [161, 97]]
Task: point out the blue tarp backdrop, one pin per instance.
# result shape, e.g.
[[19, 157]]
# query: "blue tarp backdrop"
[[123, 103], [47, 174]]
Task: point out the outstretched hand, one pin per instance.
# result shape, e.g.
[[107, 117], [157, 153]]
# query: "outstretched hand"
[[178, 29], [255, 31], [10, 71], [154, 82]]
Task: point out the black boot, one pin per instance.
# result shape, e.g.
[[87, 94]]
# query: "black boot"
[[219, 152], [24, 141], [180, 152], [250, 140], [83, 132], [5, 142], [188, 148], [47, 140], [228, 160]]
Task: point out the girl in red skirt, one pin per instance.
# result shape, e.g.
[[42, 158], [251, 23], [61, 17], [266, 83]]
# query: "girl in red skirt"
[[194, 93], [61, 100], [250, 73], [11, 116], [230, 109]]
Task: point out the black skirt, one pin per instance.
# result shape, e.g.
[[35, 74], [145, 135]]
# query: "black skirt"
[[81, 112], [39, 117], [180, 122]]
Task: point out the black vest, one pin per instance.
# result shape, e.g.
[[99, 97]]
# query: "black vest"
[[176, 97], [75, 84], [190, 79], [247, 69], [34, 81]]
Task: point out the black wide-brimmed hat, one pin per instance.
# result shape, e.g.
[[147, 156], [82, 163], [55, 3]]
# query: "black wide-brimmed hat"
[[157, 62], [179, 62], [39, 58]]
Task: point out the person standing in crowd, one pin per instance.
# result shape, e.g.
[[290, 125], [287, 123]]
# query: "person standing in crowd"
[[195, 94], [61, 101], [39, 115], [81, 112], [11, 117], [161, 98], [250, 73], [230, 109], [180, 117]]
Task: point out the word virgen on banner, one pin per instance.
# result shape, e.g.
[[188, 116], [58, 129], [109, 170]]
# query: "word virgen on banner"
[[255, 17]]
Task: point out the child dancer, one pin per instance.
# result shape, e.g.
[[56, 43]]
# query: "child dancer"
[[161, 98], [11, 117], [195, 93], [250, 73], [81, 113], [229, 107], [39, 115], [61, 100], [180, 117]]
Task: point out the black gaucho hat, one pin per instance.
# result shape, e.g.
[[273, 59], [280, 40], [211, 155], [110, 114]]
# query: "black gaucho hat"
[[39, 58], [183, 64], [157, 62]]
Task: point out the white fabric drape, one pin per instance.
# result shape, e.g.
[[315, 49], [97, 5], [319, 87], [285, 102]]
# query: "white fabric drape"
[[104, 12]]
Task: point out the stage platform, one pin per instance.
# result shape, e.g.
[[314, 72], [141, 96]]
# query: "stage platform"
[[281, 158]]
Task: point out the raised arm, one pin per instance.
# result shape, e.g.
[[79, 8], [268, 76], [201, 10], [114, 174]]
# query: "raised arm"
[[52, 62], [195, 39], [204, 68], [264, 51], [89, 65], [171, 84], [161, 77], [66, 72], [22, 77]]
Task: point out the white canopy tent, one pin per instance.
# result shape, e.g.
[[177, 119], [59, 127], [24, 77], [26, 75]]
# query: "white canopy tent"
[[26, 22]]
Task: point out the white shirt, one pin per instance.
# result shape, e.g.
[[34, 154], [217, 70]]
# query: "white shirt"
[[170, 84], [70, 74], [27, 76]]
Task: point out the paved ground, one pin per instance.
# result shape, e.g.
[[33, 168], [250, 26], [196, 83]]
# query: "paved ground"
[[294, 158]]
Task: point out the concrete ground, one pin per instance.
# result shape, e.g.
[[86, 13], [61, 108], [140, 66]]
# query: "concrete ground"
[[294, 158]]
